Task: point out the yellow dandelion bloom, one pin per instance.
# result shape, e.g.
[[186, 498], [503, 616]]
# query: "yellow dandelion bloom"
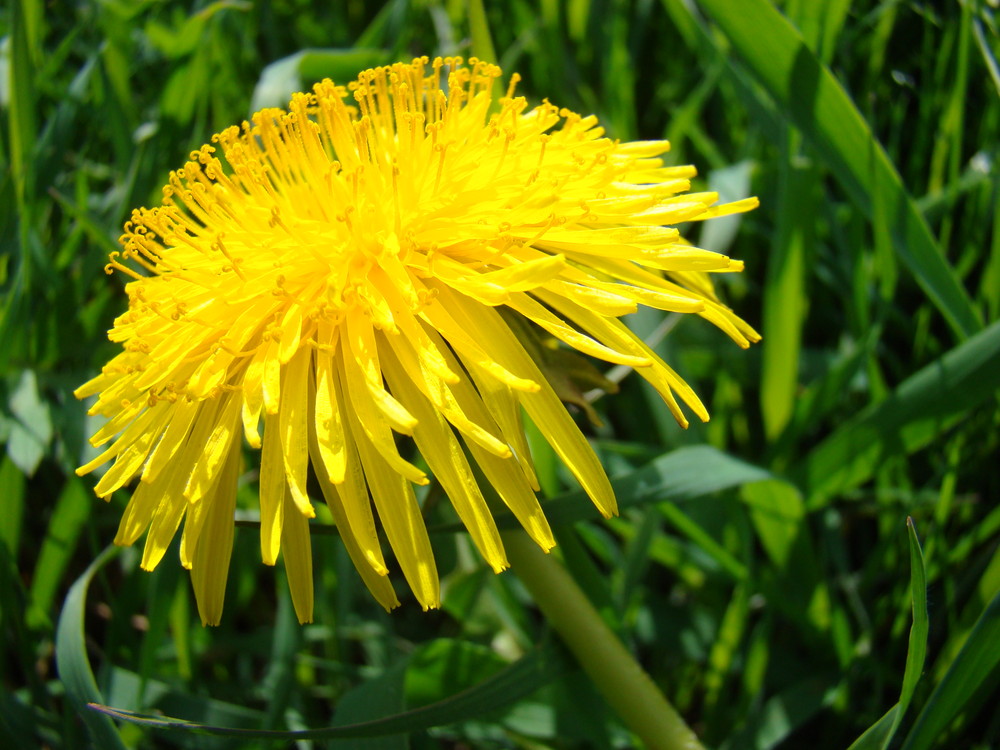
[[335, 276]]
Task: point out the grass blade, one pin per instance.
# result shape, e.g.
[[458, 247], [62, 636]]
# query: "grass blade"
[[811, 96], [975, 662], [517, 681], [679, 476], [68, 520], [922, 407], [916, 653], [785, 300], [880, 734], [74, 666]]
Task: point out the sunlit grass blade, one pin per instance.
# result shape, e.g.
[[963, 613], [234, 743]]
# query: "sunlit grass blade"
[[479, 28], [811, 96], [923, 406], [282, 78], [785, 300], [978, 658], [21, 92]]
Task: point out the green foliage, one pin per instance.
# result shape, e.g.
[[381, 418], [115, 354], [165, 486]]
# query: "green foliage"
[[763, 568]]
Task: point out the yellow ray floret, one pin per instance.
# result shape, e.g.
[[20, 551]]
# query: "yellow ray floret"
[[332, 285]]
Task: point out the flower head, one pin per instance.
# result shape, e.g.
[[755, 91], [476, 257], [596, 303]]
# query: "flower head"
[[336, 274]]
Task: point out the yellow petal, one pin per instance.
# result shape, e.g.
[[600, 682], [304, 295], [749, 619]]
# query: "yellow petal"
[[361, 350], [272, 491], [350, 494], [375, 578], [138, 513], [439, 318], [296, 545], [513, 478], [502, 406], [271, 377], [441, 396], [118, 423], [327, 422], [530, 309], [526, 275], [291, 333], [253, 397], [661, 376], [210, 567], [400, 515], [174, 437], [131, 448], [726, 209], [544, 407], [216, 449], [373, 422], [413, 331], [293, 426], [173, 504], [167, 517], [440, 448]]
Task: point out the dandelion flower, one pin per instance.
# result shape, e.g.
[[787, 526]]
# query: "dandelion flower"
[[323, 280]]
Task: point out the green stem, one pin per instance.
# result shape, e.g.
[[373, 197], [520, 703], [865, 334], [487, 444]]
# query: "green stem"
[[622, 682]]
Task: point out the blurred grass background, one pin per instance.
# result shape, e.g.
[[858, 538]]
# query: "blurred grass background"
[[762, 569]]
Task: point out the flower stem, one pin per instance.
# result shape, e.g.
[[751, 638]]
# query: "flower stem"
[[623, 683]]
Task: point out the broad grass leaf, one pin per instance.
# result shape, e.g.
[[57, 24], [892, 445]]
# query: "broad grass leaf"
[[921, 408], [679, 476], [301, 70], [810, 95]]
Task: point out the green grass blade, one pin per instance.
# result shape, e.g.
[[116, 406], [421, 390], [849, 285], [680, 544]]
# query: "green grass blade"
[[785, 298], [503, 689], [682, 475], [988, 57], [21, 108], [299, 71], [975, 662], [74, 666], [129, 689], [691, 529], [68, 520], [923, 406], [878, 735], [777, 512], [916, 653], [811, 96], [479, 28], [12, 491]]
